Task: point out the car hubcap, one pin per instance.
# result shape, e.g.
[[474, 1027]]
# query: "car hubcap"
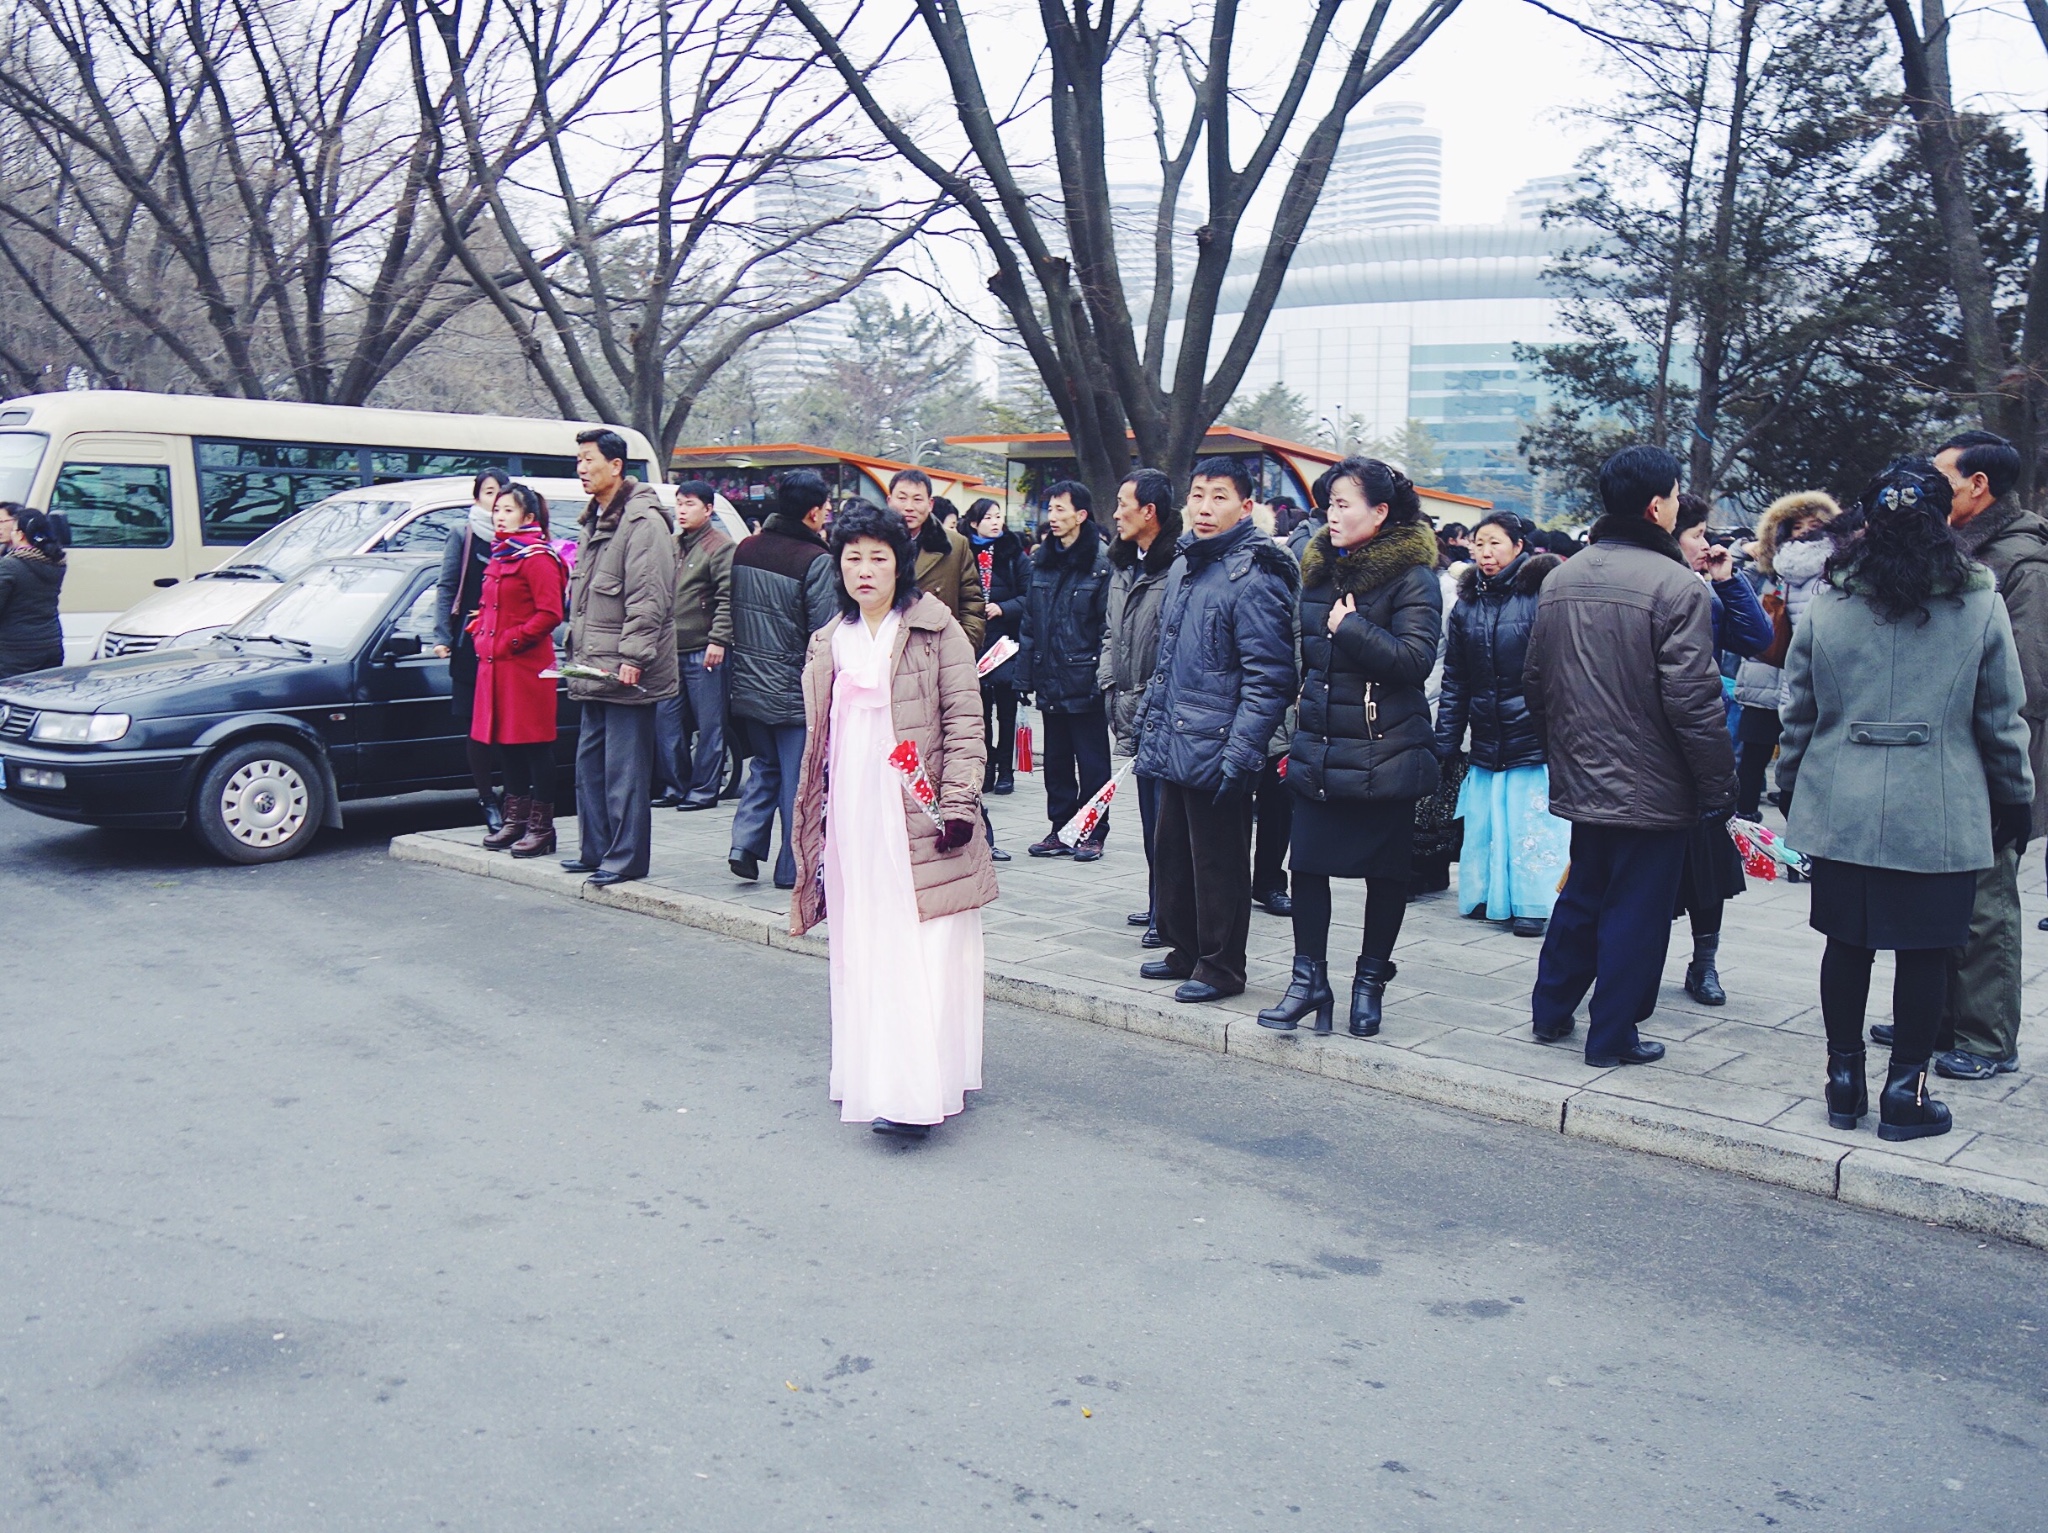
[[264, 804]]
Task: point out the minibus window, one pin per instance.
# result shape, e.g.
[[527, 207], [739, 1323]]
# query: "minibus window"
[[21, 452], [115, 505], [395, 463]]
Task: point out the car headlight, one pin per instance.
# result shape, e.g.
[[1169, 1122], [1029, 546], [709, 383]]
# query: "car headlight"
[[78, 728]]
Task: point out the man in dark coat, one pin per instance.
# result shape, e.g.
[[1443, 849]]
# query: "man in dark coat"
[[1625, 696], [1066, 605], [695, 771], [785, 587], [1147, 538], [1981, 1029], [1224, 678]]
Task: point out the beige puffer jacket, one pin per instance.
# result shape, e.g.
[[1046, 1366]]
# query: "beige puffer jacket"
[[935, 699]]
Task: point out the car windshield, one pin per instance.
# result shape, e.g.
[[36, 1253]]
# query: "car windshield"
[[328, 610], [339, 525], [20, 452]]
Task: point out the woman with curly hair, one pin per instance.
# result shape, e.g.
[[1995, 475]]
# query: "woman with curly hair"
[[904, 893], [1903, 765]]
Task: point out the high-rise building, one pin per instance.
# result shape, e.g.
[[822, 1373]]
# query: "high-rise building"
[[1388, 170], [1532, 199], [783, 360]]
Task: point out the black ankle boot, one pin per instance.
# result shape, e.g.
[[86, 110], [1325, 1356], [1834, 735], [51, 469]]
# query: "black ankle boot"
[[494, 812], [1701, 982], [1848, 1096], [1309, 991], [1905, 1110], [1368, 987]]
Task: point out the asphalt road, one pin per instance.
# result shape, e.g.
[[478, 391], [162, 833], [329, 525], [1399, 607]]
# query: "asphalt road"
[[347, 1194]]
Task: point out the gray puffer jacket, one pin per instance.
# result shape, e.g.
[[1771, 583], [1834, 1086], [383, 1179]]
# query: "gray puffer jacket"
[[622, 597], [1137, 592], [785, 587], [31, 635], [1226, 668]]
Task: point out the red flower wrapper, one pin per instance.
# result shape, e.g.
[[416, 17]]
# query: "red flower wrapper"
[[909, 766], [1090, 814], [1763, 852], [998, 652]]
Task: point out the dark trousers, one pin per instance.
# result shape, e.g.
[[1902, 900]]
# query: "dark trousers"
[[700, 774], [776, 753], [1754, 759], [614, 786], [1612, 924], [1148, 820], [1982, 1014], [1273, 804], [1202, 884], [1076, 764], [999, 723]]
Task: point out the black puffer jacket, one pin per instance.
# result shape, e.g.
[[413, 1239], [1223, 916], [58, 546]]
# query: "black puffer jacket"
[[1066, 608], [31, 637], [1364, 731], [785, 587], [1004, 576], [1485, 646]]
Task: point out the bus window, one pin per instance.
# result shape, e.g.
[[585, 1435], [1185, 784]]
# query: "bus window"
[[247, 488], [535, 465], [21, 453], [115, 505], [393, 463]]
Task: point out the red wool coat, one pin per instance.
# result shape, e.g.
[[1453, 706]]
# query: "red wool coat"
[[522, 603]]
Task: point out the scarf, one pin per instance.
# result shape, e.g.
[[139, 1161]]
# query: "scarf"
[[1796, 563], [523, 544], [481, 526]]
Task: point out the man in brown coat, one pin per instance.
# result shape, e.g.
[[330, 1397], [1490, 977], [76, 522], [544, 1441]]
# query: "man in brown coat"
[[622, 622], [703, 635], [1625, 696], [945, 563]]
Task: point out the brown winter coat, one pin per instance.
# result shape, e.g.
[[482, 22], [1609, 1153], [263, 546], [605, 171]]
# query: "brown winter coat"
[[2012, 542], [622, 597], [947, 569], [935, 699]]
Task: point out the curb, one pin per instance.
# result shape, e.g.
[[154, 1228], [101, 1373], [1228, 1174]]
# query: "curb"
[[1853, 1174]]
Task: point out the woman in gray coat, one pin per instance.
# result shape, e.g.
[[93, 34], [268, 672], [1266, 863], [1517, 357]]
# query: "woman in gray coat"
[[1903, 763]]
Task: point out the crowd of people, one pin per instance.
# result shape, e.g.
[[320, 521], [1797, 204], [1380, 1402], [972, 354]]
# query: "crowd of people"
[[1303, 698]]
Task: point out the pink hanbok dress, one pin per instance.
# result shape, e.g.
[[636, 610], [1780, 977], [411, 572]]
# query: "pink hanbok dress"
[[906, 994]]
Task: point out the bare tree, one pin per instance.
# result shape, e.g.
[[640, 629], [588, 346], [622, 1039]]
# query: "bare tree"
[[1061, 285], [669, 184], [243, 184]]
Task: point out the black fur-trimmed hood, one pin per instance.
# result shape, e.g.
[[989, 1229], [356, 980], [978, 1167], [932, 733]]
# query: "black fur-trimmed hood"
[[1160, 555], [932, 537], [1394, 551], [1523, 577], [1052, 554], [1640, 531]]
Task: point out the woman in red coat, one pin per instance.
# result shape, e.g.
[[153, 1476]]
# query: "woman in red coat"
[[515, 700]]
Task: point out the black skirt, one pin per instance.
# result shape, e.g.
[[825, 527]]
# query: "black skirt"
[[1889, 909], [1712, 872], [1352, 839]]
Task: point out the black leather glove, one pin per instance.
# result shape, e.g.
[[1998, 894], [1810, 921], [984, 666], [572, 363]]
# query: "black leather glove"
[[1719, 816], [956, 835], [2011, 825], [1237, 786]]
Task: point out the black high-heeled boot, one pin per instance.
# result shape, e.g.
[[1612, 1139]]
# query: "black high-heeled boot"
[[1368, 988], [1848, 1095], [1308, 991], [1904, 1109]]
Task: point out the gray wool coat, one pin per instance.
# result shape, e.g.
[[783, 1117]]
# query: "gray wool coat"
[[1899, 737]]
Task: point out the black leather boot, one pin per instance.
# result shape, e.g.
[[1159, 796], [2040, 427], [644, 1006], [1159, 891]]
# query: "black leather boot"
[[1905, 1110], [1309, 991], [1848, 1096], [494, 812], [1368, 987], [1701, 982]]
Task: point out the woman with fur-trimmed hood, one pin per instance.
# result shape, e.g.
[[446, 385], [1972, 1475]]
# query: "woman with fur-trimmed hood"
[[1791, 550], [1515, 849], [1363, 749]]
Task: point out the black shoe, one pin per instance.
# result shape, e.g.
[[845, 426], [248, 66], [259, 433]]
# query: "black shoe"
[[997, 854], [1086, 850], [1557, 1037], [1905, 1110], [1005, 784], [666, 801], [577, 865], [1151, 938], [689, 804], [1528, 926], [1881, 1034], [1051, 846], [1643, 1051], [1308, 991], [1138, 918], [1201, 990], [2041, 925], [1159, 968], [1848, 1096], [603, 878], [901, 1130], [1962, 1065], [1277, 902], [1701, 982], [494, 812], [744, 865], [1368, 989], [785, 886]]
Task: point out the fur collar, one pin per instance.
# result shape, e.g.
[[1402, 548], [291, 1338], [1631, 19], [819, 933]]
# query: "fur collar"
[[932, 537], [1157, 558], [1783, 512], [1394, 551], [1523, 577], [789, 527], [1052, 554], [1638, 531]]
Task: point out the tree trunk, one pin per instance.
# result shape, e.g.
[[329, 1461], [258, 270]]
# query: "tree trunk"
[[1717, 296]]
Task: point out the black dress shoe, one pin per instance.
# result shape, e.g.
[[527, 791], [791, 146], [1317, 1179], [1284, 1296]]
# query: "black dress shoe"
[[1643, 1051], [1881, 1033], [689, 804], [1276, 902], [901, 1130], [1138, 918], [781, 885], [604, 878], [1160, 968], [1151, 938], [1005, 785], [666, 801], [997, 854], [2041, 925], [577, 865], [1553, 1037], [744, 865], [1201, 990], [1528, 926]]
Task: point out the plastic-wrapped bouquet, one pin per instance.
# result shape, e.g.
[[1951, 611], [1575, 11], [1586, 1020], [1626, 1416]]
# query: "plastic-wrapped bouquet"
[[1763, 851], [1090, 814], [909, 765]]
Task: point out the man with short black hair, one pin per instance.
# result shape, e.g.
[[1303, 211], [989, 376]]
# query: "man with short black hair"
[[945, 563], [1224, 677], [1625, 697], [703, 634], [1147, 532], [1981, 1027], [622, 598], [1066, 603], [785, 587]]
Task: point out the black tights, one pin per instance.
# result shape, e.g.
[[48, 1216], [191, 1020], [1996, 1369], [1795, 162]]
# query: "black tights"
[[483, 760], [530, 770], [1919, 993], [1386, 902]]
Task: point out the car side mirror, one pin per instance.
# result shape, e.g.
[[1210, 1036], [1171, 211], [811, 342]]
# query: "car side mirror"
[[401, 646]]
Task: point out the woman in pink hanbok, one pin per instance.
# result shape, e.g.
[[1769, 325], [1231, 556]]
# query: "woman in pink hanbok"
[[904, 885]]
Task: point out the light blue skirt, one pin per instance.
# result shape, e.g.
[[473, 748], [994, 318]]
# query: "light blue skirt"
[[1515, 848]]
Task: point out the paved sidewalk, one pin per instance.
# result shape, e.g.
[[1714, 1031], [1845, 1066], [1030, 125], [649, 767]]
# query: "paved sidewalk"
[[1738, 1090]]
